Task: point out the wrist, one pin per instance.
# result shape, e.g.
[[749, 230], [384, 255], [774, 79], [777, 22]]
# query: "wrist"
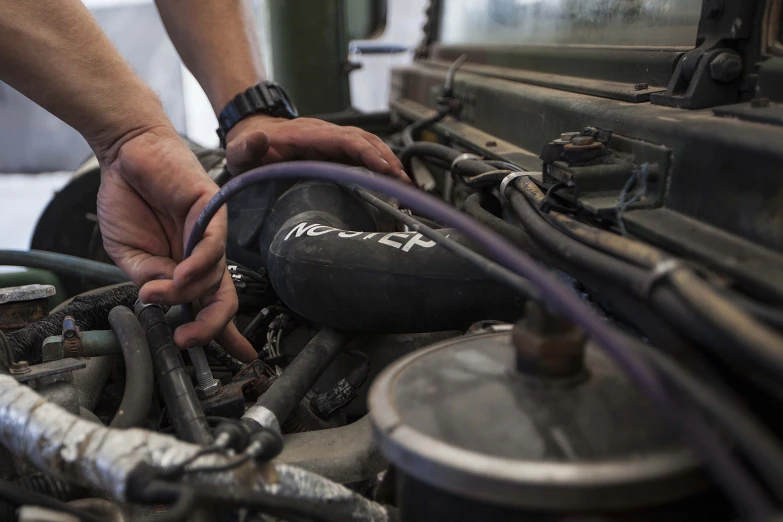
[[124, 118]]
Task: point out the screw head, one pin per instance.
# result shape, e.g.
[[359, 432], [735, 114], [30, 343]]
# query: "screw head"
[[726, 67], [208, 390]]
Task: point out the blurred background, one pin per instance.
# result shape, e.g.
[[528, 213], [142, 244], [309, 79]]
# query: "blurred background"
[[38, 152]]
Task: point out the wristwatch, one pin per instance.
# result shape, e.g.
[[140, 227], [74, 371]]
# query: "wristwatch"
[[264, 98]]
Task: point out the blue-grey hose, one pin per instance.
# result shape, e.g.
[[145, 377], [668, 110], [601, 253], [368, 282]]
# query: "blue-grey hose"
[[102, 273], [727, 473]]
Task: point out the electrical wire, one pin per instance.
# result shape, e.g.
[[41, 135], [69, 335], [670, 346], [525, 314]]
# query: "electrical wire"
[[726, 471], [752, 340], [20, 496]]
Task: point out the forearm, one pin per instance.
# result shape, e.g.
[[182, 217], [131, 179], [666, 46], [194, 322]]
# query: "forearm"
[[54, 52], [217, 40]]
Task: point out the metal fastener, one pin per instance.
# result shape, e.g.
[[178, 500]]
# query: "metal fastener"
[[72, 343], [568, 136], [548, 345], [581, 141], [641, 86], [726, 67]]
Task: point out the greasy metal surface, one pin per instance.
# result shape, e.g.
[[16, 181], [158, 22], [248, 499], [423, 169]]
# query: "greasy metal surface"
[[56, 441], [630, 92], [18, 314], [14, 294], [346, 454], [724, 171], [483, 143], [458, 416], [624, 65], [48, 369]]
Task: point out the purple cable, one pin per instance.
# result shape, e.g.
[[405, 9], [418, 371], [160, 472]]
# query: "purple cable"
[[725, 469]]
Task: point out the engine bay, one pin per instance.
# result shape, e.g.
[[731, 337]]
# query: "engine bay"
[[570, 322]]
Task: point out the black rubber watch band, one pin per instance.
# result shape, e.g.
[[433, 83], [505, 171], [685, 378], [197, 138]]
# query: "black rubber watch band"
[[264, 98]]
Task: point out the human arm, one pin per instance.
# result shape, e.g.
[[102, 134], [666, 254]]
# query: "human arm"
[[152, 187], [218, 42]]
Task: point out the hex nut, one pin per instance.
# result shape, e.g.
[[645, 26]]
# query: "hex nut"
[[726, 67], [204, 391]]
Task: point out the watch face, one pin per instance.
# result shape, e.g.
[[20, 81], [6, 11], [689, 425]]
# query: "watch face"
[[289, 104], [290, 108]]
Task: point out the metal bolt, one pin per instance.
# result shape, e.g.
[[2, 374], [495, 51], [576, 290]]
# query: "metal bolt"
[[726, 67], [206, 385], [548, 345], [759, 103], [581, 141], [491, 143], [641, 86], [568, 136]]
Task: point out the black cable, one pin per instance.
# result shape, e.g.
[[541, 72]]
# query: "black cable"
[[228, 466], [101, 273], [486, 179], [20, 496], [504, 165]]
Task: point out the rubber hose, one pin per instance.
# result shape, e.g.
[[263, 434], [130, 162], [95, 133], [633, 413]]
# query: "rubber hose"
[[182, 404], [288, 390], [137, 396], [90, 310], [517, 235], [48, 485], [102, 273], [446, 154], [325, 269]]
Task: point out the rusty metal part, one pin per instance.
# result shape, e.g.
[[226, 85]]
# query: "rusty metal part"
[[22, 305], [72, 343], [548, 345]]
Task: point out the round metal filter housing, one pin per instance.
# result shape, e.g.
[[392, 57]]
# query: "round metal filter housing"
[[458, 416]]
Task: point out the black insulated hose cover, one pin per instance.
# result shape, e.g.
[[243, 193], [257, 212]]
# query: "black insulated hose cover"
[[137, 397], [287, 391], [183, 406]]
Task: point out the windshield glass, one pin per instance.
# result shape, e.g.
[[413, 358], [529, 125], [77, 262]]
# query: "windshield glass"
[[605, 22]]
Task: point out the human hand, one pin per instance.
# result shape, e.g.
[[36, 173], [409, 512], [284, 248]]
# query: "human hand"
[[260, 140], [152, 190]]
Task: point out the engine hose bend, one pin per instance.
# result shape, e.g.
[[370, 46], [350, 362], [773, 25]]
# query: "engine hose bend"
[[332, 263], [725, 468], [137, 397]]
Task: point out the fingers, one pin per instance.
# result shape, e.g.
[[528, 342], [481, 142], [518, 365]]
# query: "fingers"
[[397, 170], [247, 152], [234, 343], [215, 315]]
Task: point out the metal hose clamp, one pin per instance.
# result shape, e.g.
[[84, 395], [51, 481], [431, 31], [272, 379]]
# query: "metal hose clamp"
[[462, 157], [508, 179]]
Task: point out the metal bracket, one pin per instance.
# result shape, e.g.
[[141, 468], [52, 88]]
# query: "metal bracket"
[[711, 74]]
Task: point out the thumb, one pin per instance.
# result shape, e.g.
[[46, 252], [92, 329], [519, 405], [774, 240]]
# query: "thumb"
[[246, 151]]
